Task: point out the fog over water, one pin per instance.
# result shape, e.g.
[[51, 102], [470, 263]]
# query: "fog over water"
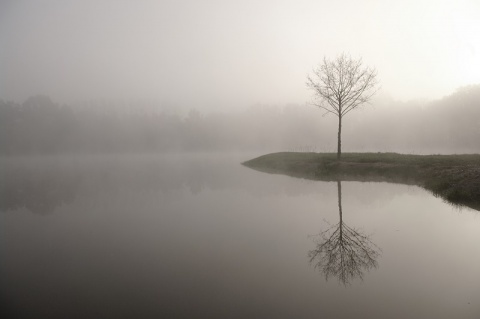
[[124, 126], [203, 237]]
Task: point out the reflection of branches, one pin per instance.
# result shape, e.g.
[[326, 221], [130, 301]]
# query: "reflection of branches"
[[343, 251]]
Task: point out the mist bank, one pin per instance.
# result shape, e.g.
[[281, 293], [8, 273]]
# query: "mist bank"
[[41, 126]]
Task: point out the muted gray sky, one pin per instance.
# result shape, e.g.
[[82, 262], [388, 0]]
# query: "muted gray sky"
[[222, 53]]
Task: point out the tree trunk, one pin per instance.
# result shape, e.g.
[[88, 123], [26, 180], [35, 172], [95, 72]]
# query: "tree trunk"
[[339, 145], [339, 188]]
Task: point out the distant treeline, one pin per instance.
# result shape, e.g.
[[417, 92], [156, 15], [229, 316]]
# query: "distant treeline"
[[41, 126]]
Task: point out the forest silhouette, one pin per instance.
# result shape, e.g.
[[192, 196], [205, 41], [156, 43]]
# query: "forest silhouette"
[[41, 126]]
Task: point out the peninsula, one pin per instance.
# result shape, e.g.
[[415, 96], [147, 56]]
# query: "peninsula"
[[455, 178]]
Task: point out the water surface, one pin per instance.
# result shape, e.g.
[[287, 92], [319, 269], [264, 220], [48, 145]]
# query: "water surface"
[[201, 236]]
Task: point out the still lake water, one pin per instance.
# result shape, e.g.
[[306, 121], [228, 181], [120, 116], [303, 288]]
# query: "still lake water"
[[201, 236]]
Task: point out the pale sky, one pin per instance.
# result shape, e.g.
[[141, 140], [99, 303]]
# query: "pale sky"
[[226, 54]]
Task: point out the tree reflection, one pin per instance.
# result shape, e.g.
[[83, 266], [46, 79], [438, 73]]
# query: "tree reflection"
[[342, 251], [38, 190]]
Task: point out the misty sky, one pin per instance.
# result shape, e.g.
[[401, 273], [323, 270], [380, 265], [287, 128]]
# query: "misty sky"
[[223, 53]]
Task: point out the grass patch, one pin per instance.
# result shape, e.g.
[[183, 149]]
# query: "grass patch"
[[456, 178]]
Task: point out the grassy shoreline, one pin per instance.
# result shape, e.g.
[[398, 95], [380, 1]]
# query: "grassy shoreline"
[[455, 178]]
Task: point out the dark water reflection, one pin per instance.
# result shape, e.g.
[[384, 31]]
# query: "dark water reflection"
[[204, 237], [342, 251], [40, 191]]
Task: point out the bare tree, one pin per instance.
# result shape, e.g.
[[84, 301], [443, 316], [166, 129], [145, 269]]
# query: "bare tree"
[[342, 251], [340, 86]]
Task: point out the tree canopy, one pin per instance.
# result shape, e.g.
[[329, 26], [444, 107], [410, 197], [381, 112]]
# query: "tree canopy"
[[340, 86]]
